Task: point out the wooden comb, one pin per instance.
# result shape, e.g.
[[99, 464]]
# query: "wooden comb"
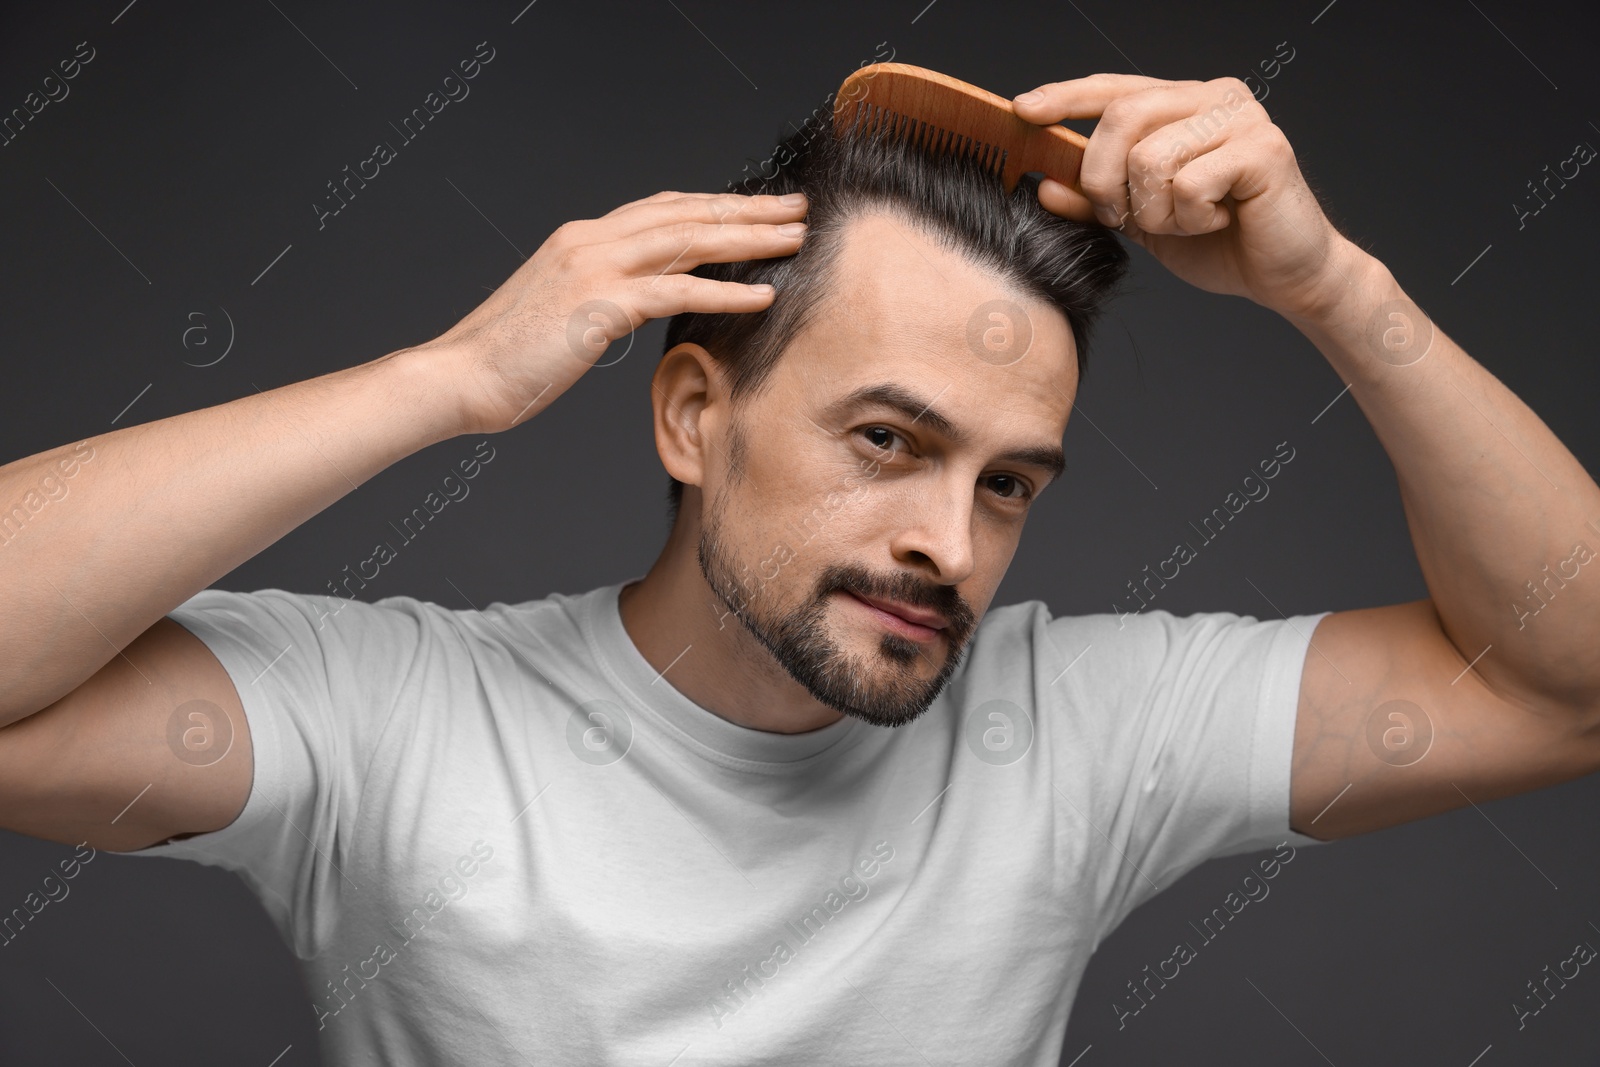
[[945, 114]]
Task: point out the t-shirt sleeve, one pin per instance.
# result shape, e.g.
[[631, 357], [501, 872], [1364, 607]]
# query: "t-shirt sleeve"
[[318, 677], [1183, 737]]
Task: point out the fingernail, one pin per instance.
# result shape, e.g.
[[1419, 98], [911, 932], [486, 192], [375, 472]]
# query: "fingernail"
[[792, 199], [1033, 96], [792, 229], [1107, 215]]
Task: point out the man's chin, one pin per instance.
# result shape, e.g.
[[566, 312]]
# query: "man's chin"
[[883, 691], [887, 714]]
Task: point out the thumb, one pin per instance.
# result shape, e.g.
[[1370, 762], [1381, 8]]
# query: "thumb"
[[1063, 200]]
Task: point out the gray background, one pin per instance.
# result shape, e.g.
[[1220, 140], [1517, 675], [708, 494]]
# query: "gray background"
[[187, 158]]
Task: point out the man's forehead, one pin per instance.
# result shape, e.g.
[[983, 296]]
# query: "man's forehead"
[[895, 294], [889, 265]]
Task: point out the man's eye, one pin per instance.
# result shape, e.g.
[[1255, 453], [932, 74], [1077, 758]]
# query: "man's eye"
[[1009, 487], [880, 437]]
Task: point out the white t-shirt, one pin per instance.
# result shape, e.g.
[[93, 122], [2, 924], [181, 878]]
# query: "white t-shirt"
[[498, 836]]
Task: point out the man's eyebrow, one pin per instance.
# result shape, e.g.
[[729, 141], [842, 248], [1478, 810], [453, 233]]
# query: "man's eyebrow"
[[916, 409]]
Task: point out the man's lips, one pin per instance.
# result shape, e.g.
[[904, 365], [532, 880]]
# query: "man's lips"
[[918, 616]]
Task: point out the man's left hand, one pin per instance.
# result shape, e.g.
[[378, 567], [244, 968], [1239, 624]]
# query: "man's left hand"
[[1197, 174]]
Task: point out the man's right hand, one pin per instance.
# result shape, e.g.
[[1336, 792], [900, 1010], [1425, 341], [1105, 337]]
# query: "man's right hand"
[[593, 281], [92, 673]]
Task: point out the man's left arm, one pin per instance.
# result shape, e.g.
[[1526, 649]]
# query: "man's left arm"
[[1491, 686], [1502, 662]]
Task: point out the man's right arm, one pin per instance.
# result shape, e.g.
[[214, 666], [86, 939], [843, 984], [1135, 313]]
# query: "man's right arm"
[[91, 671]]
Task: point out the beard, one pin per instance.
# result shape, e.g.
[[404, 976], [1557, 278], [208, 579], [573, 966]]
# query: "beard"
[[881, 687]]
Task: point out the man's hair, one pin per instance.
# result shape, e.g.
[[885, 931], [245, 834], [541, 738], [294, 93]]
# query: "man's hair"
[[950, 197]]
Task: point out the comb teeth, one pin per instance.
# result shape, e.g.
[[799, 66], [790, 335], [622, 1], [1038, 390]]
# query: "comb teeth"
[[882, 121]]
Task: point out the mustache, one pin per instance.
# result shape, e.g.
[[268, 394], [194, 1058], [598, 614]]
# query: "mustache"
[[904, 587]]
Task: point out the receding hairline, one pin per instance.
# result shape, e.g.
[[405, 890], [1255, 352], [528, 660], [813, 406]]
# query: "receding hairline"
[[827, 266]]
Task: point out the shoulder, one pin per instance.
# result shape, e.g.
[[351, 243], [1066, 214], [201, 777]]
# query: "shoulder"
[[1031, 628], [1106, 652], [338, 624]]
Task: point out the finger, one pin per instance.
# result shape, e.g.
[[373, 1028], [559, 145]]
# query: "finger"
[[1153, 164], [669, 294], [715, 208], [1067, 202], [655, 198], [1082, 98], [1202, 110], [664, 196], [1240, 169], [682, 246], [1064, 200]]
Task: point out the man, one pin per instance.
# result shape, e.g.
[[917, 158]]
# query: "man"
[[785, 799]]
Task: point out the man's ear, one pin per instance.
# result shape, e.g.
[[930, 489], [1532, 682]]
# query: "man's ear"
[[686, 395]]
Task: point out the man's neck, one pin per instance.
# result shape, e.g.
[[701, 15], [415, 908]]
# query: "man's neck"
[[689, 636]]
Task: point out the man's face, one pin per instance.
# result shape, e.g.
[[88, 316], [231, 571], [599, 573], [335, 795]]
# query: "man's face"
[[914, 492]]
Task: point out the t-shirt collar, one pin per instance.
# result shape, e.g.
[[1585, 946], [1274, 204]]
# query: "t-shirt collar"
[[702, 729]]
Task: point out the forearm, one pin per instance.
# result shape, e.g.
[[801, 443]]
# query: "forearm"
[[94, 551], [1502, 516]]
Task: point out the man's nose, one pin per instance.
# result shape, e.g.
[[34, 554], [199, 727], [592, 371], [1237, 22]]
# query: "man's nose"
[[934, 526]]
